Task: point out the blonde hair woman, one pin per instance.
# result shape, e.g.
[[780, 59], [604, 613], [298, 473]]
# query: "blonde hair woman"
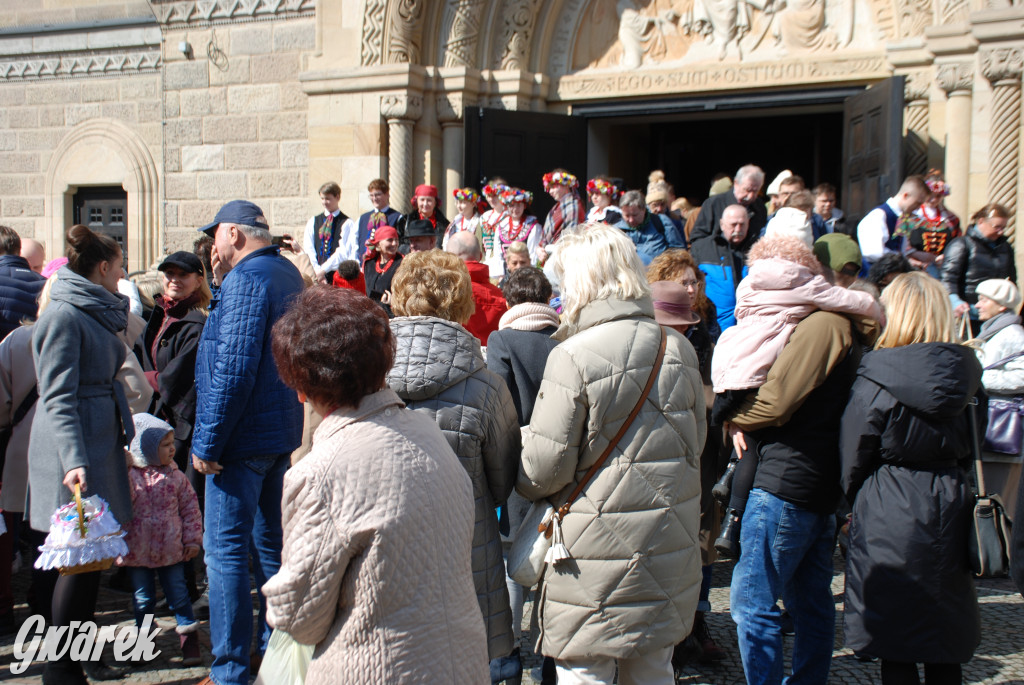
[[440, 372], [629, 592], [909, 594]]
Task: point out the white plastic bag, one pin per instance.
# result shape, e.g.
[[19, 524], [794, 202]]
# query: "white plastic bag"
[[285, 661]]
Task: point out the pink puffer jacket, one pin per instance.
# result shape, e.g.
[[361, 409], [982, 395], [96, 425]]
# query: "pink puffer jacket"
[[167, 517]]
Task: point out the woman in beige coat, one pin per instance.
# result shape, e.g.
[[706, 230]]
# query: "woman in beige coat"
[[378, 517], [629, 591]]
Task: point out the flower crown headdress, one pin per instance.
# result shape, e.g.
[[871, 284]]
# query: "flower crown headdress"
[[465, 194], [511, 195], [598, 185], [938, 186], [496, 189], [560, 178]]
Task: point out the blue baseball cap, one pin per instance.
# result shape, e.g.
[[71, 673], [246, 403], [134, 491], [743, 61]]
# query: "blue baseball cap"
[[237, 212]]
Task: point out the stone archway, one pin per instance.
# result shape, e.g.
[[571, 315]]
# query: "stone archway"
[[105, 152]]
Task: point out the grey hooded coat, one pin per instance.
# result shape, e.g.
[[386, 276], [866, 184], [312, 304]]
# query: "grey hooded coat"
[[82, 415], [440, 372]]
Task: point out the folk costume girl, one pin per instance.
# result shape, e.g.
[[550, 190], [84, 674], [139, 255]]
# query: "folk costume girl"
[[468, 218], [931, 227], [516, 224], [380, 266], [603, 195], [489, 224]]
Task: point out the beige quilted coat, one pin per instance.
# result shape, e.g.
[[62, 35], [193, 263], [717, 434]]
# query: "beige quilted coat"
[[375, 570], [632, 583]]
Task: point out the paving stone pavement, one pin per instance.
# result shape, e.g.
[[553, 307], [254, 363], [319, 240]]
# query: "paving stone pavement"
[[998, 661]]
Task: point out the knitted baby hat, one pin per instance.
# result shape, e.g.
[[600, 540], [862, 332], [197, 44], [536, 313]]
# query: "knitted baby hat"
[[145, 447]]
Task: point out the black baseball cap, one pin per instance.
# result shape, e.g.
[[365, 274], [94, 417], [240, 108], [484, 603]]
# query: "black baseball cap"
[[237, 212], [186, 261]]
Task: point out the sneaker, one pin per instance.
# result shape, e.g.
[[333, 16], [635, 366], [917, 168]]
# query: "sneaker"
[[710, 652], [728, 542]]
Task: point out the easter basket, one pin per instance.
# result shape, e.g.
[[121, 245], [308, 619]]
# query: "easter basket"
[[84, 537]]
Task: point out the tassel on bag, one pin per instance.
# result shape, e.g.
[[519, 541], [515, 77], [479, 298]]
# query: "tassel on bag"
[[558, 551]]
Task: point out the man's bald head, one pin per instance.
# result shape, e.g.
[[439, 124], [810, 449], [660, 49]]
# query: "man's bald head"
[[34, 253], [734, 224], [465, 246]]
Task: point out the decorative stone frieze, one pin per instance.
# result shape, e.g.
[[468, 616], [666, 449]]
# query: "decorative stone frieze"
[[199, 12], [85, 65]]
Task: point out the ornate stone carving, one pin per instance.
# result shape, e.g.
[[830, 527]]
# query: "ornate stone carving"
[[520, 17], [405, 22], [916, 85], [562, 38], [1002, 64], [406, 107], [955, 77], [954, 11], [211, 11], [449, 108], [88, 65], [460, 48], [915, 15], [371, 52]]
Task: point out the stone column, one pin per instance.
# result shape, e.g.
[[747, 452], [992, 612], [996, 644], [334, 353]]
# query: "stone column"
[[449, 113], [401, 113], [1003, 67], [915, 119], [957, 80]]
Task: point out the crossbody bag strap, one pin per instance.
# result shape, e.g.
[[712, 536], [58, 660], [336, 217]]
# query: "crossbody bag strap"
[[1003, 361], [26, 404], [592, 471], [972, 422]]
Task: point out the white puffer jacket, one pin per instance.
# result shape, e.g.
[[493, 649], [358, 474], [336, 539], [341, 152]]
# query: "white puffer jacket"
[[632, 583]]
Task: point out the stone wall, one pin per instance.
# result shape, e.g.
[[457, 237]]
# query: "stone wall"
[[235, 124]]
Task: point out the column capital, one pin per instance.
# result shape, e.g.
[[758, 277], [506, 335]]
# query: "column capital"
[[916, 85], [408, 107], [955, 77], [1002, 64], [450, 108]]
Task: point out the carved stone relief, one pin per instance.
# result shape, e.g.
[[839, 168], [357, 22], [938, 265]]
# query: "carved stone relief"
[[405, 107], [954, 11], [371, 52], [460, 47], [915, 16], [88, 65], [1001, 64], [916, 85], [209, 11], [404, 24], [955, 77], [520, 17], [450, 107]]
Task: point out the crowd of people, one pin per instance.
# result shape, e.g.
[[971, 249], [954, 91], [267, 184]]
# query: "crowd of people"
[[362, 417]]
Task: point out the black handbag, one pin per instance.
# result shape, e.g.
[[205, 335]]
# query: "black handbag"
[[988, 542], [1005, 431], [19, 414]]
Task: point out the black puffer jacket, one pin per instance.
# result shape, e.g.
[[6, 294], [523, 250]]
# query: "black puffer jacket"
[[971, 259], [909, 592]]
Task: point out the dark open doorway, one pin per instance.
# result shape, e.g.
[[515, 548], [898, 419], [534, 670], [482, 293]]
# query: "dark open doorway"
[[103, 209]]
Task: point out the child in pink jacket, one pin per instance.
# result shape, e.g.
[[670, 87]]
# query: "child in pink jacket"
[[166, 530], [784, 285]]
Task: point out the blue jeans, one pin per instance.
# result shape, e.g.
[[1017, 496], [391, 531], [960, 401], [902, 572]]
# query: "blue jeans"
[[172, 580], [786, 552], [243, 514]]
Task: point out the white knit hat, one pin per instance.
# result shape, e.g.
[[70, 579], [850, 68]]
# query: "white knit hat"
[[1002, 292], [791, 221], [773, 187]]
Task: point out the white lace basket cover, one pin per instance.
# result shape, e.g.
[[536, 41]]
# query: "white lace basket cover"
[[66, 546]]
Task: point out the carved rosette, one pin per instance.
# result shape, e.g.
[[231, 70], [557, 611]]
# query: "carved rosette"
[[957, 77], [449, 109], [401, 112], [460, 48], [404, 25], [520, 17], [1003, 67]]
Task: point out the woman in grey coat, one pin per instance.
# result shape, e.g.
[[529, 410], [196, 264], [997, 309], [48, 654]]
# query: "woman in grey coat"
[[78, 432], [440, 371]]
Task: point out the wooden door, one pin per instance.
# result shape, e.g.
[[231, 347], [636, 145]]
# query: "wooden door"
[[872, 148]]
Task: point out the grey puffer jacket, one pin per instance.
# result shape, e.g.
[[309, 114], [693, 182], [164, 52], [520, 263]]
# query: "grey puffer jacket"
[[439, 371], [632, 583]]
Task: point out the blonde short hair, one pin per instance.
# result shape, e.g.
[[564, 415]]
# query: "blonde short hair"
[[433, 283], [918, 311], [597, 262], [517, 247]]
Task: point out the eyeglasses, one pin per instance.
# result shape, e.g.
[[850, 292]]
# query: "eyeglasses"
[[692, 283], [377, 194]]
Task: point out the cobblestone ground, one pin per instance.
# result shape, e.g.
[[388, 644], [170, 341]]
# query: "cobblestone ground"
[[999, 659]]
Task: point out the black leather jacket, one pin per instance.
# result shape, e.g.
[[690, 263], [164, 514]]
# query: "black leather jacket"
[[971, 259]]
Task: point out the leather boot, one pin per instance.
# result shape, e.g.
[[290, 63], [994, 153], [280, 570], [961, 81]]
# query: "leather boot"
[[728, 543]]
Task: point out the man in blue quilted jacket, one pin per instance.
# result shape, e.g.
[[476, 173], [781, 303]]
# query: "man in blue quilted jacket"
[[247, 424], [19, 285]]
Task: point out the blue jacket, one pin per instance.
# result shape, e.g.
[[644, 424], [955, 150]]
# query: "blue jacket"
[[724, 266], [656, 234], [19, 289], [243, 408]]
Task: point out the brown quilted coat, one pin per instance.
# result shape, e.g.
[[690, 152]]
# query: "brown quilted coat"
[[632, 583], [375, 570]]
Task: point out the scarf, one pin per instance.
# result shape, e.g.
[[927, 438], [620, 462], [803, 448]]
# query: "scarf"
[[997, 323], [529, 316]]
